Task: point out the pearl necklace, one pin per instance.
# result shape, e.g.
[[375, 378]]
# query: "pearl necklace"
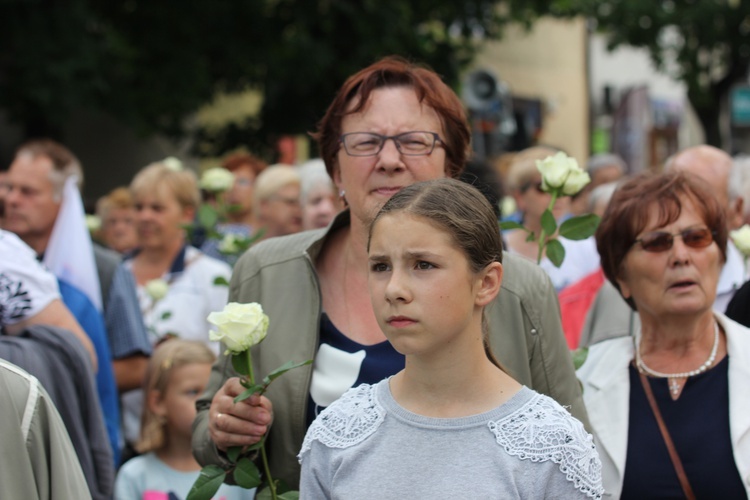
[[674, 386]]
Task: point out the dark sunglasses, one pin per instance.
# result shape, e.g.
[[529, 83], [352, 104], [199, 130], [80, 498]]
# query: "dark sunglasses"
[[661, 241], [536, 185]]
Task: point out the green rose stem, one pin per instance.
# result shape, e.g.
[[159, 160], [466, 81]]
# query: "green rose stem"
[[264, 456], [543, 233]]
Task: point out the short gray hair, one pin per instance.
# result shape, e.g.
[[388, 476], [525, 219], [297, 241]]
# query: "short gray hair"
[[602, 160], [312, 174], [64, 162]]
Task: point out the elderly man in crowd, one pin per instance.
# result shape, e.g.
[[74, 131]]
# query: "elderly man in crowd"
[[33, 200]]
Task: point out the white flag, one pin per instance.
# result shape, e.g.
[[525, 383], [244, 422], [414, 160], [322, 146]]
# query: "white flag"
[[69, 254]]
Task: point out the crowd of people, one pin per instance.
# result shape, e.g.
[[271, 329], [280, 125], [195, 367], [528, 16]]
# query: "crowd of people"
[[441, 349]]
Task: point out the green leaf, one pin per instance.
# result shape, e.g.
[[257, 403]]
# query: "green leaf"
[[580, 227], [291, 365], [282, 486], [510, 224], [166, 315], [289, 495], [221, 280], [246, 474], [207, 216], [253, 389], [239, 363], [258, 445], [264, 494], [548, 222], [555, 252], [579, 356], [531, 236], [208, 483], [233, 453]]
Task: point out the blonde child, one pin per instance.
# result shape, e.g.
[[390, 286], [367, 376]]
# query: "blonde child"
[[452, 423], [177, 374]]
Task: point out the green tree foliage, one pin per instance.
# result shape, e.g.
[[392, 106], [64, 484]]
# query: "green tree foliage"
[[152, 63], [708, 40]]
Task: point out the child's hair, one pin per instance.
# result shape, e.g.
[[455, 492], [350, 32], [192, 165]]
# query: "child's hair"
[[464, 213], [169, 355]]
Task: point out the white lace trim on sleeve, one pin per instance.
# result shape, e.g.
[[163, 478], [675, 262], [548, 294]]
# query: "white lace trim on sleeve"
[[348, 421], [543, 430]]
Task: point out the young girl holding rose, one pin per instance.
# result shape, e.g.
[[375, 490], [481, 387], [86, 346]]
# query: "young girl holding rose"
[[452, 423], [177, 374]]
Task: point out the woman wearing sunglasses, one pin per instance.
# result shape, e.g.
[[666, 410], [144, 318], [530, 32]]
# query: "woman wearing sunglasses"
[[669, 407]]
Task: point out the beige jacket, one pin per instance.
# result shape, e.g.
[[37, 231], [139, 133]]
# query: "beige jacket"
[[38, 461], [279, 273]]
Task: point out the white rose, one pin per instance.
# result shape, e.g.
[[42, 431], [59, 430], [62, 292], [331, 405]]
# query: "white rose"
[[576, 180], [228, 244], [173, 163], [508, 206], [741, 238], [157, 289], [217, 180], [93, 223], [555, 170], [239, 326]]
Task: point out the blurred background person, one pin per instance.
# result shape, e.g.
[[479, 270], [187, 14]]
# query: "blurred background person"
[[42, 337], [683, 378], [240, 202], [739, 184], [319, 199], [3, 192], [117, 214], [277, 201], [177, 374], [38, 460], [165, 202], [525, 182], [34, 197], [713, 166], [603, 168], [577, 298]]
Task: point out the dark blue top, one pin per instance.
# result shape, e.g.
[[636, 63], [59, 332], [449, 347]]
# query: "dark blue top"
[[92, 323], [698, 422], [360, 364]]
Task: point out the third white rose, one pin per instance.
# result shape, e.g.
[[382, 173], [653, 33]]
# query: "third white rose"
[[741, 239]]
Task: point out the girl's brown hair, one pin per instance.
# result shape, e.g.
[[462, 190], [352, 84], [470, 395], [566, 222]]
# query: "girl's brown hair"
[[464, 213]]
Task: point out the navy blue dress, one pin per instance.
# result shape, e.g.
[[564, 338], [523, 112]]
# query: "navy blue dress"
[[698, 422]]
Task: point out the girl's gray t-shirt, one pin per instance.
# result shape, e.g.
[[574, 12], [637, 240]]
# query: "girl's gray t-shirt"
[[367, 446]]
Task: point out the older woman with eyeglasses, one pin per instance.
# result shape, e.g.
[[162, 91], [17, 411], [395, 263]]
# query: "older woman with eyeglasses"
[[391, 125], [669, 407]]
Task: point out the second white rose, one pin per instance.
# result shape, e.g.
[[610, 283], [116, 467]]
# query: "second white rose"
[[157, 289]]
